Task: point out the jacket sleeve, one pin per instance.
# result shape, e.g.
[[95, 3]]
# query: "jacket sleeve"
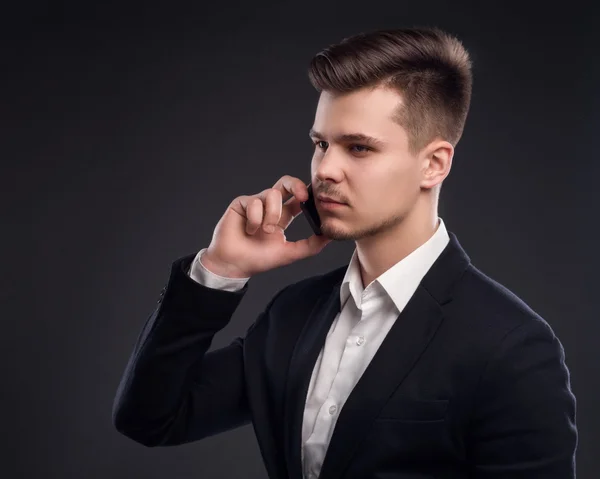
[[524, 415], [172, 391]]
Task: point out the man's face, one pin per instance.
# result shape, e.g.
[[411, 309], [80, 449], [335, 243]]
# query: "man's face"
[[379, 182]]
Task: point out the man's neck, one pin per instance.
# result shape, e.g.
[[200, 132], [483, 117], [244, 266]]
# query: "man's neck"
[[379, 253]]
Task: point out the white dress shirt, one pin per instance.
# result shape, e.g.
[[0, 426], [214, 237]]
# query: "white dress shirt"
[[353, 339]]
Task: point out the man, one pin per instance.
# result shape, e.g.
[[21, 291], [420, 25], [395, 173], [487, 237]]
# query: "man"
[[409, 362]]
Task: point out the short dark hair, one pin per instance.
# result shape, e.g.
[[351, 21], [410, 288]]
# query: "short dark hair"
[[429, 67]]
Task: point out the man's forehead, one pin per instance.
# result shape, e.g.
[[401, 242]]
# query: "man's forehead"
[[358, 111]]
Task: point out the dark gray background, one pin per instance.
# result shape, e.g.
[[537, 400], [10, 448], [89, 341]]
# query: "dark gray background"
[[126, 133]]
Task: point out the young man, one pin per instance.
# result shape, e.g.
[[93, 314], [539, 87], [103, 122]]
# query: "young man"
[[407, 362]]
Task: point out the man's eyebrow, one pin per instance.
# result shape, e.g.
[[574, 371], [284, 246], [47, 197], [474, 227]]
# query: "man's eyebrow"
[[347, 137]]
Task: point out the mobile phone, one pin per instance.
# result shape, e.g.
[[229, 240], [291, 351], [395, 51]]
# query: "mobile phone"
[[310, 212]]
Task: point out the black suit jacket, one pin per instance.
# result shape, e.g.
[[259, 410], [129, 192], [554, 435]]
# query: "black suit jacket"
[[469, 382]]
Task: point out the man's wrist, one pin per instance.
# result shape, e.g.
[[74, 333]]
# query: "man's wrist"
[[220, 269]]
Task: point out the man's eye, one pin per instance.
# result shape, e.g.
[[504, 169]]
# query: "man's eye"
[[364, 148], [361, 148]]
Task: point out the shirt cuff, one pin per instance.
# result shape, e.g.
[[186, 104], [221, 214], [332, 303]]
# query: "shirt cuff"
[[209, 279]]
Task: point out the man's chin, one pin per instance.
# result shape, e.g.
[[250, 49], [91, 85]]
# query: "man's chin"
[[336, 234]]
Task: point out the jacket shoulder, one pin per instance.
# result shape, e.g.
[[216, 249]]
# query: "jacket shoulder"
[[488, 304]]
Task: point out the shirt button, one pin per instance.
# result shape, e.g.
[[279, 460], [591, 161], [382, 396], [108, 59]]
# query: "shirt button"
[[332, 410], [360, 340]]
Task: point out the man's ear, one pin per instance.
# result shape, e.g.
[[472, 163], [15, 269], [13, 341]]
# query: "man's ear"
[[436, 159]]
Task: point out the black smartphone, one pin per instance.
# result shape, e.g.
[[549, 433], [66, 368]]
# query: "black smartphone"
[[310, 212]]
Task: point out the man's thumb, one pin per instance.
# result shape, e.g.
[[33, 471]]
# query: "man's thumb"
[[309, 247]]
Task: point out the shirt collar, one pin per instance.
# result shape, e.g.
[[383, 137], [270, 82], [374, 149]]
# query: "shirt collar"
[[402, 278]]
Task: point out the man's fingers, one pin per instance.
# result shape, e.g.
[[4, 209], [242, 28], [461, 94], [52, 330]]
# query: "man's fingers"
[[291, 209], [254, 215], [281, 204], [272, 207], [291, 186]]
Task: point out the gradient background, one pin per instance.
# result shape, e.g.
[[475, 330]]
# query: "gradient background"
[[126, 133]]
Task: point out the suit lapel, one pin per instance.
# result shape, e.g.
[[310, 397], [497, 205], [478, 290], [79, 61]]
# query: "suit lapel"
[[304, 357]]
